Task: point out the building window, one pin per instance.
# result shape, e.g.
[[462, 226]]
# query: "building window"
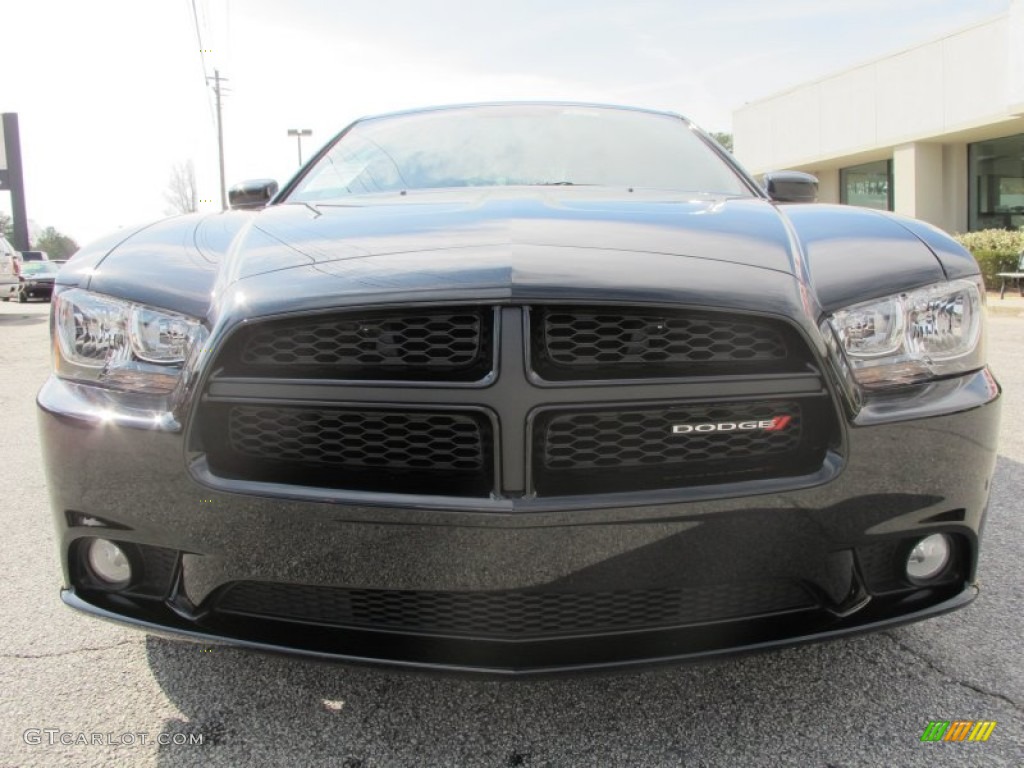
[[868, 185], [996, 174]]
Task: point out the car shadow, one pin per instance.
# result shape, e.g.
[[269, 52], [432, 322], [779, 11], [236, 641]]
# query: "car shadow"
[[814, 704], [281, 707]]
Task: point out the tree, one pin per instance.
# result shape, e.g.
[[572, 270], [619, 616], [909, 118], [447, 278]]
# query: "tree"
[[725, 139], [7, 228], [57, 245], [181, 189]]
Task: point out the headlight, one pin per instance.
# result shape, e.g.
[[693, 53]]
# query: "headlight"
[[914, 336], [119, 344]]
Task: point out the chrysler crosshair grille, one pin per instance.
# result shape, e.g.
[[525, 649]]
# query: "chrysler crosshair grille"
[[514, 401]]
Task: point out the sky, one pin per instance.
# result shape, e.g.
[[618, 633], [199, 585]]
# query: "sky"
[[111, 94]]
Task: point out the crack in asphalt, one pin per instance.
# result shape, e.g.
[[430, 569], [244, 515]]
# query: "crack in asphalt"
[[72, 652], [933, 665]]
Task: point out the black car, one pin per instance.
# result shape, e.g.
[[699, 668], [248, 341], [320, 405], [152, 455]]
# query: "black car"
[[521, 388], [37, 279]]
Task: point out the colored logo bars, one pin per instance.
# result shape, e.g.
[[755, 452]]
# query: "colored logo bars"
[[958, 730]]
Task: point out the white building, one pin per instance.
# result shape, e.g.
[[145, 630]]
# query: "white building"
[[935, 131]]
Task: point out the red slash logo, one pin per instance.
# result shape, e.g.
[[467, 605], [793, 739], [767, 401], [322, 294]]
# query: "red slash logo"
[[779, 423]]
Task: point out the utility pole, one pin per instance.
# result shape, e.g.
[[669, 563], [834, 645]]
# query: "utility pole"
[[217, 79], [298, 133]]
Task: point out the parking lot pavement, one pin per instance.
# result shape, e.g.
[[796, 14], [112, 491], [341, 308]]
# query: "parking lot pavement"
[[1010, 305], [859, 702]]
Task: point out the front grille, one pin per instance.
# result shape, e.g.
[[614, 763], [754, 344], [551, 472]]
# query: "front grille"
[[412, 400], [643, 451], [365, 449], [509, 614], [610, 342], [395, 345], [443, 442]]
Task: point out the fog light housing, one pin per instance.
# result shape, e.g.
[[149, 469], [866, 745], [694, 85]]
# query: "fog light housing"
[[108, 563], [929, 558]]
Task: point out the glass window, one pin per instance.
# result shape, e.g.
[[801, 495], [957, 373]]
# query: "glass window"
[[868, 185], [518, 145], [39, 268], [996, 194]]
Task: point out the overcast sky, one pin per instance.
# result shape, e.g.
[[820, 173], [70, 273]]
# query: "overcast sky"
[[111, 93]]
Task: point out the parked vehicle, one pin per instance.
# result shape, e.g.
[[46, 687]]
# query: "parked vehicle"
[[10, 267], [521, 388], [37, 280]]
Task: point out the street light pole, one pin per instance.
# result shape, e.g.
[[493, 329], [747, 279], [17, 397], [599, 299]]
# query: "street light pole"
[[298, 133]]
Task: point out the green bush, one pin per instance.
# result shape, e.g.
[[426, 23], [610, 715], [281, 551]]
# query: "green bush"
[[995, 250], [994, 262], [1007, 240]]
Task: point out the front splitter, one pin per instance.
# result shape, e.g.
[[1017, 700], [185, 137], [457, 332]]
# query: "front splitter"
[[621, 652]]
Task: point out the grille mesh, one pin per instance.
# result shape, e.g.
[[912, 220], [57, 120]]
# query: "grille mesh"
[[654, 342], [604, 439], [372, 345], [433, 445], [437, 442], [509, 614]]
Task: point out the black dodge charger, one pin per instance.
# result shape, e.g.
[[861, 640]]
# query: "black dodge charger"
[[520, 388]]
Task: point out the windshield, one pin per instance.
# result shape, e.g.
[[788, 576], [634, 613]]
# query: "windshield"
[[518, 145], [39, 268]]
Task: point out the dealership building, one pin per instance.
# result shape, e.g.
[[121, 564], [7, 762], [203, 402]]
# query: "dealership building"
[[935, 131]]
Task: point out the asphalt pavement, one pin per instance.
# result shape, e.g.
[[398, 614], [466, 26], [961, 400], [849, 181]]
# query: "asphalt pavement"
[[858, 702]]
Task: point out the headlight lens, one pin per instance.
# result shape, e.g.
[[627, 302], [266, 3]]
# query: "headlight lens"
[[914, 336], [119, 344]]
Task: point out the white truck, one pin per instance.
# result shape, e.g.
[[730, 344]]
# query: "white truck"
[[10, 270]]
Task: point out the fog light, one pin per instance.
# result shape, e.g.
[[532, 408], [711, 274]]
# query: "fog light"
[[108, 562], [929, 557]]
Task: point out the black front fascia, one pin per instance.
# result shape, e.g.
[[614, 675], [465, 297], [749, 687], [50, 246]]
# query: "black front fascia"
[[512, 395]]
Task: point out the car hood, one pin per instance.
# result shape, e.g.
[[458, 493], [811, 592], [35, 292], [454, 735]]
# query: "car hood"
[[510, 244], [519, 244], [743, 231]]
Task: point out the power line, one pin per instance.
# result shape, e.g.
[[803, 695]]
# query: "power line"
[[202, 57], [218, 94], [227, 29], [199, 40]]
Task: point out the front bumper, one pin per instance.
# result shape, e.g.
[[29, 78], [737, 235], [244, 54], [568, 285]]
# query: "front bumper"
[[551, 657], [32, 289], [838, 543]]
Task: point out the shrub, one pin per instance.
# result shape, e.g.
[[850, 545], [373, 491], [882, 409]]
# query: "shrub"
[[1006, 240], [995, 250], [994, 262]]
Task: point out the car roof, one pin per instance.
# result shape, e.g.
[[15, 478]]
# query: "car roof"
[[486, 104]]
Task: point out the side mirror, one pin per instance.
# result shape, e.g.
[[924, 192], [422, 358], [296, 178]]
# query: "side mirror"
[[791, 186], [252, 194]]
